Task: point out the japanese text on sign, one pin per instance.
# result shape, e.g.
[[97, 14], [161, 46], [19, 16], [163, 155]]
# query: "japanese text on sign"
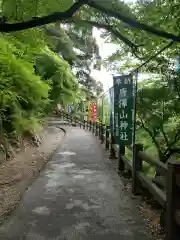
[[123, 106]]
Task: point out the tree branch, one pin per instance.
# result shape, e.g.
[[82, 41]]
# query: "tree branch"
[[176, 139], [162, 126], [134, 23], [57, 16], [109, 28], [171, 151], [151, 135], [165, 136]]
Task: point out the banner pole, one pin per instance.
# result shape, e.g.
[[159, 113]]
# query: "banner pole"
[[134, 133], [135, 109]]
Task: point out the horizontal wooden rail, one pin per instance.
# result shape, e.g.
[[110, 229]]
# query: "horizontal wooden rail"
[[162, 168], [158, 194]]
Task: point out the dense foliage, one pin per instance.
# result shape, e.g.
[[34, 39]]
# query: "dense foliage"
[[33, 78], [25, 93]]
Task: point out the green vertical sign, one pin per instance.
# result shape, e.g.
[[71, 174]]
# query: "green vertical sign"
[[123, 108]]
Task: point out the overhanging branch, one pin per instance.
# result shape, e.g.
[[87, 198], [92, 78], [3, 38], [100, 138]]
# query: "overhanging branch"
[[109, 28], [134, 23], [57, 16]]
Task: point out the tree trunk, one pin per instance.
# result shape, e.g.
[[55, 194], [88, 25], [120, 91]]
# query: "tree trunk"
[[163, 158]]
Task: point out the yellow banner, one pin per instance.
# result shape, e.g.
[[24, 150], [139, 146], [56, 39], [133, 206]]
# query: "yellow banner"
[[89, 111]]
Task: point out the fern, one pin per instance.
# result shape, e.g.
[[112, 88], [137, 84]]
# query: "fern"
[[33, 79]]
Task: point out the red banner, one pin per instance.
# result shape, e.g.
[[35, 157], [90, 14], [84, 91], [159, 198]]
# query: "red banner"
[[94, 111]]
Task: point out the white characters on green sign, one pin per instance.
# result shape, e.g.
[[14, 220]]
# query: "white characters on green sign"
[[123, 115], [124, 136], [123, 86], [123, 125], [123, 93], [127, 80], [123, 103]]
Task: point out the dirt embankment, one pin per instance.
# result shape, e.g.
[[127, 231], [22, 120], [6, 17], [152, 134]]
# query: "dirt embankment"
[[18, 173]]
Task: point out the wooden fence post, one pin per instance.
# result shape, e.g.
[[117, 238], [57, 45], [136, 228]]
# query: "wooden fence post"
[[93, 126], [102, 133], [96, 129], [100, 128], [112, 150], [75, 121], [107, 137], [121, 166], [137, 166], [172, 229], [90, 125]]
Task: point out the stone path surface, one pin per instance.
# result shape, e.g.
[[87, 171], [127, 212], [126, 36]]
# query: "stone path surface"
[[79, 196]]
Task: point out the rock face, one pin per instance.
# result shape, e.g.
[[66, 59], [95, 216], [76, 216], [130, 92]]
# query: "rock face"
[[2, 156], [6, 151], [10, 147], [36, 139], [18, 172]]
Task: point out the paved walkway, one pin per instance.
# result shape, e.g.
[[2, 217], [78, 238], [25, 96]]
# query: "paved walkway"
[[78, 196]]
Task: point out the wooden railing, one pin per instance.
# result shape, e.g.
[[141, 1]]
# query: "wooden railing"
[[168, 198]]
